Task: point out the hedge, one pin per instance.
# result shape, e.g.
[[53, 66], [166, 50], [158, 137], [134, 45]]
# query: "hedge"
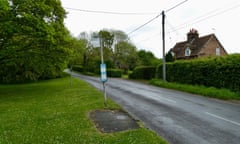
[[143, 72], [114, 73], [219, 72], [78, 68]]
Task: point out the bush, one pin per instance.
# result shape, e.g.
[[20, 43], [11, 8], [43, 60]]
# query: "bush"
[[77, 68], [219, 72], [143, 72], [114, 73]]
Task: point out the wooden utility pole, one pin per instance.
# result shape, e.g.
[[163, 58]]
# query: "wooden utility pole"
[[163, 43]]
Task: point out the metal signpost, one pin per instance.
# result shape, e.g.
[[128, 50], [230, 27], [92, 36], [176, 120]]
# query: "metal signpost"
[[104, 80], [103, 71]]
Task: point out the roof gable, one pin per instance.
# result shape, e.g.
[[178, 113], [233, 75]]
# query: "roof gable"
[[195, 46]]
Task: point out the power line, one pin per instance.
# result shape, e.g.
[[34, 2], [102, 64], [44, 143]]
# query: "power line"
[[144, 24], [207, 16], [156, 17], [201, 18], [109, 12], [148, 38], [176, 6]]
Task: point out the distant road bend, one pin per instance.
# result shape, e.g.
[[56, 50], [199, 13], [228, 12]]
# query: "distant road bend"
[[180, 118]]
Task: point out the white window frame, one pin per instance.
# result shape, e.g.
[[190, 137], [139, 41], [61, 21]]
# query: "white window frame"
[[187, 51], [218, 53]]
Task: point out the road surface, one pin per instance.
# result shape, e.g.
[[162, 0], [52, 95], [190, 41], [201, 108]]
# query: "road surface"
[[178, 117]]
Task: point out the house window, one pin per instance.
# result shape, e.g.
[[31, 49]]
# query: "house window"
[[187, 51], [217, 51]]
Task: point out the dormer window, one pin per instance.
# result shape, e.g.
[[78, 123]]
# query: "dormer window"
[[187, 51]]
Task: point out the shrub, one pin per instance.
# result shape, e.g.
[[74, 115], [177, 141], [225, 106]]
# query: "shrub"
[[219, 72], [143, 72], [78, 68], [114, 73]]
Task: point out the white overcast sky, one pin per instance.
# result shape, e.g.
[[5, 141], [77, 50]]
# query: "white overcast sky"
[[221, 17]]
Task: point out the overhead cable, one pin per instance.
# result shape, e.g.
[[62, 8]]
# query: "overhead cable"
[[144, 24], [176, 6], [156, 17], [109, 12], [150, 37], [205, 17]]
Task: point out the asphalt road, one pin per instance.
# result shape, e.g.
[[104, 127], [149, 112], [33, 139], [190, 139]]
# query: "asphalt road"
[[178, 117]]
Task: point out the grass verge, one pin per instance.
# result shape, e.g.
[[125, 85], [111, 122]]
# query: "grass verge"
[[54, 112], [224, 94]]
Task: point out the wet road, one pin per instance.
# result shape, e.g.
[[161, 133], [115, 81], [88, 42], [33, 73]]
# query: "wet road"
[[178, 117]]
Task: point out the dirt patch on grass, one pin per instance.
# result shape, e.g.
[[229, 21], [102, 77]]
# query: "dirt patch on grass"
[[108, 121]]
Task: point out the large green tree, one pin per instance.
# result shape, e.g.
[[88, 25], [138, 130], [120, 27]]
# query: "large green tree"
[[147, 58], [107, 38], [119, 36], [125, 55], [92, 56], [78, 47], [33, 40]]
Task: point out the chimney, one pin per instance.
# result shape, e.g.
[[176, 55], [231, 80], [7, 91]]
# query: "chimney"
[[192, 35]]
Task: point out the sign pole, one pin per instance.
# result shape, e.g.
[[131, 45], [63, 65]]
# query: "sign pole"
[[103, 70], [105, 95]]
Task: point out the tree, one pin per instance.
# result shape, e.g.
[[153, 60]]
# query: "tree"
[[146, 58], [78, 47], [3, 5], [169, 57], [33, 40], [119, 36], [125, 55], [106, 38]]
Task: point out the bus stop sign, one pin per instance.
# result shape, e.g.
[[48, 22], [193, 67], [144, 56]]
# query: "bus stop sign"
[[103, 71]]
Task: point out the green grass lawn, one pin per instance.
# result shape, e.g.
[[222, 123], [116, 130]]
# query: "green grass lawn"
[[53, 112], [212, 92]]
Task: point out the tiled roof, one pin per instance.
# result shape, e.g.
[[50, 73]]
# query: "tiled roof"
[[195, 45]]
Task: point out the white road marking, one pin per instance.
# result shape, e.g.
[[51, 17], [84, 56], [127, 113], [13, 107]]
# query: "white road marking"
[[230, 121]]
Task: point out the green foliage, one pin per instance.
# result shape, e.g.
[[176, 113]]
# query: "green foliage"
[[169, 57], [114, 73], [92, 60], [78, 68], [143, 72], [146, 58], [3, 5], [92, 55], [54, 112], [219, 72], [196, 89], [33, 41], [119, 35], [106, 38], [78, 47], [125, 55]]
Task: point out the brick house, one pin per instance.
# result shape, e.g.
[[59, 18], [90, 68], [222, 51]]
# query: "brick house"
[[195, 46]]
